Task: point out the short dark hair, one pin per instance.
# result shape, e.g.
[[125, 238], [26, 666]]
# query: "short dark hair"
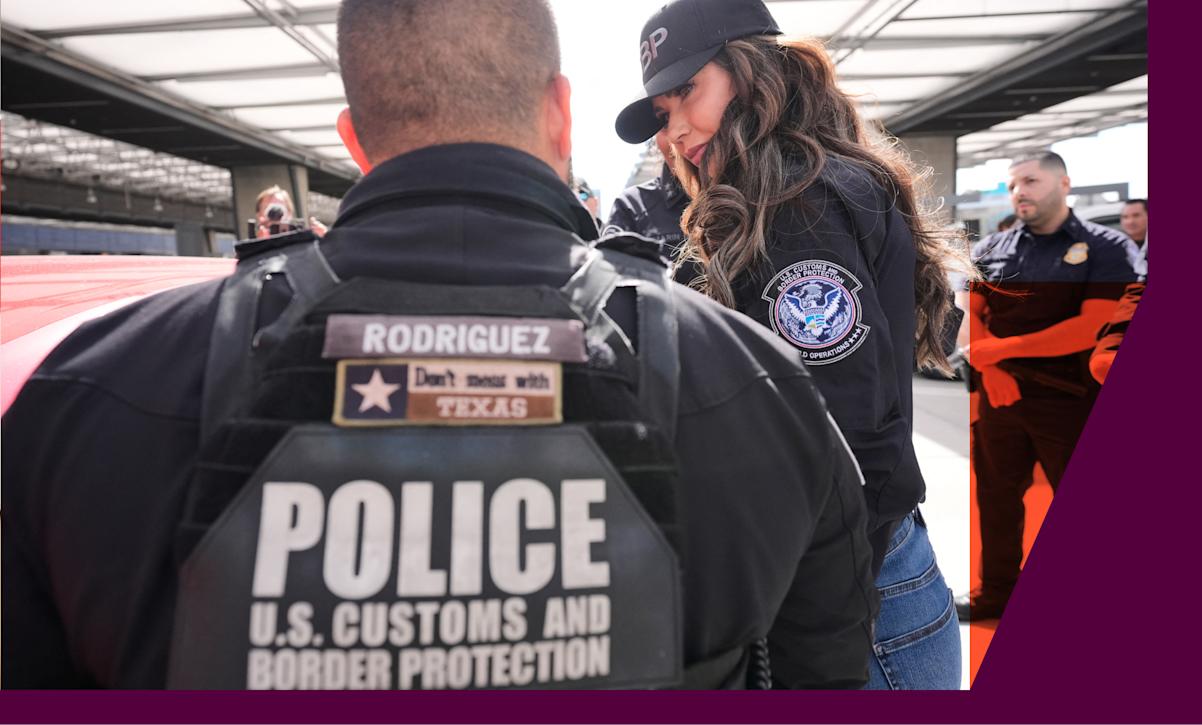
[[423, 72], [1138, 201], [1049, 160]]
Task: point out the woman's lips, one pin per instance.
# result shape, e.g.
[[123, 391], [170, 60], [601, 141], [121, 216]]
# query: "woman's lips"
[[694, 154]]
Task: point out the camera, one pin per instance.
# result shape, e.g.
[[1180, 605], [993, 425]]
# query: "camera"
[[275, 215], [276, 212]]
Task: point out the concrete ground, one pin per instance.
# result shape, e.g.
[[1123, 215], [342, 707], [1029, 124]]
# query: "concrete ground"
[[941, 440], [941, 428]]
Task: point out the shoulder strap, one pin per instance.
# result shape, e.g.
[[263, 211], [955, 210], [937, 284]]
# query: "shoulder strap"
[[659, 358], [234, 343]]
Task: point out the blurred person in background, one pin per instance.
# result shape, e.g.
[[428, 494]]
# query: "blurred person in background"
[[276, 214], [653, 208], [1134, 220], [588, 198]]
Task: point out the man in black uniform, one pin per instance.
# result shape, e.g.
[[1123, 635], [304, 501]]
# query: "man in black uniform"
[[653, 208], [1050, 283], [133, 534]]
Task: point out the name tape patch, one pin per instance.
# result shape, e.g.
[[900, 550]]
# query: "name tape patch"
[[419, 391], [515, 338]]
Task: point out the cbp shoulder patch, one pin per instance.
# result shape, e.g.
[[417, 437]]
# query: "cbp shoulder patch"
[[816, 306]]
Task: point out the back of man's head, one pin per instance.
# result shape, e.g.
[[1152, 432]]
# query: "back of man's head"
[[426, 72]]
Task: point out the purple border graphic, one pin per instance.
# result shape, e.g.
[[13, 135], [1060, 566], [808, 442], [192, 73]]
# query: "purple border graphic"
[[1102, 628]]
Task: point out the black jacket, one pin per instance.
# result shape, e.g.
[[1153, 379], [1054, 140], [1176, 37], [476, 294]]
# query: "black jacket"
[[843, 252], [99, 445], [845, 219], [653, 210]]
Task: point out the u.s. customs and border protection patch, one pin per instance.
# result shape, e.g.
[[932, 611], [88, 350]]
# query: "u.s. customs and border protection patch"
[[816, 306]]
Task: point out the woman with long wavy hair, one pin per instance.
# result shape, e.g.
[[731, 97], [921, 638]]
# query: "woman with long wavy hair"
[[806, 220]]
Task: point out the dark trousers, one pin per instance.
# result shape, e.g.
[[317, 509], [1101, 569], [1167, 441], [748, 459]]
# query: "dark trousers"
[[1007, 442]]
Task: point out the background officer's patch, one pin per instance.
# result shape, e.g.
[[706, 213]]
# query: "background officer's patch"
[[1077, 253], [815, 305]]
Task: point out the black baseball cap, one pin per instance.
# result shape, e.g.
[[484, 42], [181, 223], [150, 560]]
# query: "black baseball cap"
[[677, 42]]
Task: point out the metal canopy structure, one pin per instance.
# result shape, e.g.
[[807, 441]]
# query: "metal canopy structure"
[[33, 148], [236, 82], [1033, 59], [197, 79], [55, 171]]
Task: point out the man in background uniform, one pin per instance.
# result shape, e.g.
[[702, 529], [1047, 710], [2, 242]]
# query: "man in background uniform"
[[653, 208], [147, 534], [1134, 220], [1049, 284]]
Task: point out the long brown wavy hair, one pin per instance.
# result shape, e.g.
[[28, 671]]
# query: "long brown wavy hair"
[[789, 115]]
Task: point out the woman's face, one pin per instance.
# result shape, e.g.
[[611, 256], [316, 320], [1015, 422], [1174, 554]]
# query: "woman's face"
[[693, 113]]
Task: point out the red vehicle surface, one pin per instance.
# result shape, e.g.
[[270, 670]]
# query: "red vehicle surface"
[[44, 298]]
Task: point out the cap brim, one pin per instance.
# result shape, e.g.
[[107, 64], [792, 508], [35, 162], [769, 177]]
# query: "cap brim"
[[637, 122]]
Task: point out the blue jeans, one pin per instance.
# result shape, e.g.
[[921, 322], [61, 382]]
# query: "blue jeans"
[[917, 643]]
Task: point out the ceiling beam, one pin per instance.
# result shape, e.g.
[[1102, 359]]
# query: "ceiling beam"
[[131, 130], [926, 42], [897, 76], [1109, 118], [316, 127], [1011, 14], [283, 104], [1074, 44], [863, 26], [323, 15], [294, 70], [289, 28]]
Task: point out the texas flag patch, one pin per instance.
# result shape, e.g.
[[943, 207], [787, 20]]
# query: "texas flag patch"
[[419, 391]]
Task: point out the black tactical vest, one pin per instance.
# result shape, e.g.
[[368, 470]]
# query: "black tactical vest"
[[412, 486]]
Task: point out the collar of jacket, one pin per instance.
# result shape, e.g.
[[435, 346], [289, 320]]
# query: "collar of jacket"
[[667, 181], [1071, 228], [485, 171]]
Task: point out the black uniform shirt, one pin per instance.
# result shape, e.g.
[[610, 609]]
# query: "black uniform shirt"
[[1036, 281], [840, 289], [653, 210], [98, 446]]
